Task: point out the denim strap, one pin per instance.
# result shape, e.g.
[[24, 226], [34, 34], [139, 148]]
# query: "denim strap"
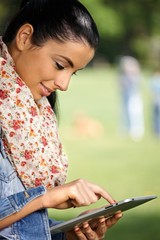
[[16, 202]]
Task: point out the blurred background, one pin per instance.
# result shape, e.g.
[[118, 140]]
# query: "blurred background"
[[110, 116]]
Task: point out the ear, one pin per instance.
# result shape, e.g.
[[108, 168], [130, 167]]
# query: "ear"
[[23, 37]]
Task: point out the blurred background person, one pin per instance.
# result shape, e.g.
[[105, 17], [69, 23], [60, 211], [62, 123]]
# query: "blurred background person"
[[155, 91], [132, 104]]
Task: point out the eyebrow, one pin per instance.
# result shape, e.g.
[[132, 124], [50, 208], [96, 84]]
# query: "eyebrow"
[[68, 60]]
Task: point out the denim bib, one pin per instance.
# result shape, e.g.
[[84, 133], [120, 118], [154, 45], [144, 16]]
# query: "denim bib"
[[13, 196]]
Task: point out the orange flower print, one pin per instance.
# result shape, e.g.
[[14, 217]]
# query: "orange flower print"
[[43, 163], [22, 174], [49, 185], [19, 103], [3, 73], [32, 133]]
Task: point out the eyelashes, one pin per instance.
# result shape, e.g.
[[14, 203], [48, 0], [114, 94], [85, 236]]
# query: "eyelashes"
[[61, 67]]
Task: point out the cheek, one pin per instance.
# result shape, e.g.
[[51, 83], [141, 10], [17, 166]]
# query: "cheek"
[[45, 73], [34, 69]]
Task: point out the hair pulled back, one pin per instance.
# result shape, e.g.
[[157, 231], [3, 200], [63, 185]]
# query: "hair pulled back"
[[60, 20], [54, 19]]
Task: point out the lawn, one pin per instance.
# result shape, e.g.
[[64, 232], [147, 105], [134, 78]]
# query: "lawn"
[[99, 152]]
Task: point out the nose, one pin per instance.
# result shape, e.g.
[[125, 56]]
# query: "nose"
[[62, 82]]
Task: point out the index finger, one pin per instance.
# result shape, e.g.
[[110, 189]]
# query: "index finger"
[[100, 192]]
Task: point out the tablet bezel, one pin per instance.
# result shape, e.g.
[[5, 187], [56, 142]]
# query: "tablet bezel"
[[106, 211]]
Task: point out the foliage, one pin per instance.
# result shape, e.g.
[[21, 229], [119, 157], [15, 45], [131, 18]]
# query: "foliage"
[[127, 27], [7, 11]]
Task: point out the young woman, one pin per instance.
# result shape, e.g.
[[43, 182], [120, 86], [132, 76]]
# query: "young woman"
[[45, 44]]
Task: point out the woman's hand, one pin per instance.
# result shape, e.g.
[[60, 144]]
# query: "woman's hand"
[[93, 231], [74, 194], [81, 193]]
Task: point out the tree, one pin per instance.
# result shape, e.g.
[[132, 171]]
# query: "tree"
[[7, 10], [128, 27]]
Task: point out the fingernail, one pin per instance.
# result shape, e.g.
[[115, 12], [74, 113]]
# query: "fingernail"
[[102, 220], [76, 229], [86, 225]]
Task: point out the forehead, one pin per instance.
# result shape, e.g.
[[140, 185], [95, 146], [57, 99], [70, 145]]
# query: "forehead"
[[77, 52]]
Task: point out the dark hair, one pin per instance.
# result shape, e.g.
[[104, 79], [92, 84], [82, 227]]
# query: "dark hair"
[[54, 19]]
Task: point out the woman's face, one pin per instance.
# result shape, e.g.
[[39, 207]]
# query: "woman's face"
[[50, 67]]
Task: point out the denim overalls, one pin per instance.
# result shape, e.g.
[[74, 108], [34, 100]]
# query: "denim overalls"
[[13, 196]]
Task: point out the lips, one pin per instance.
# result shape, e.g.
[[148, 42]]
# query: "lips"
[[45, 90]]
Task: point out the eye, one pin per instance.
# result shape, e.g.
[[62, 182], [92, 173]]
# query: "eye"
[[59, 66], [75, 73]]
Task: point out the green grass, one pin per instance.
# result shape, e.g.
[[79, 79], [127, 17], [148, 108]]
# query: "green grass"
[[123, 167]]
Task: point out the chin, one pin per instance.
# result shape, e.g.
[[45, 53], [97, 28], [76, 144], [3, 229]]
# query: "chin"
[[37, 98]]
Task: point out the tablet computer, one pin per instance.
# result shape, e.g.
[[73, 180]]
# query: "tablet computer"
[[106, 211]]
